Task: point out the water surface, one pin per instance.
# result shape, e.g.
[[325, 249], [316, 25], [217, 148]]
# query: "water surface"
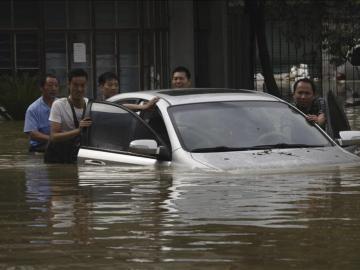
[[83, 217]]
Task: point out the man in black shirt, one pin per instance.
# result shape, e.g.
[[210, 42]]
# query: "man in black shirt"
[[306, 101]]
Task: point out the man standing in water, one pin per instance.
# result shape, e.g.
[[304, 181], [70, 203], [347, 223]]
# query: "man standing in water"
[[67, 120], [109, 86], [180, 78], [306, 101], [37, 124]]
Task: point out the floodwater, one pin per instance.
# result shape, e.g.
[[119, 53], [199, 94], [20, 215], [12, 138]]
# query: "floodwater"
[[78, 217]]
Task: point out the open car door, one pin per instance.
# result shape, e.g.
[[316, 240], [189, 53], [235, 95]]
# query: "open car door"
[[119, 136], [335, 117]]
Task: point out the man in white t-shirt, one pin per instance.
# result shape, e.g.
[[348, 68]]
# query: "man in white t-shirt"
[[67, 120]]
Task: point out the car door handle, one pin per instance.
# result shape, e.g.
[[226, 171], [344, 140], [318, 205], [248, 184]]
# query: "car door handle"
[[94, 162]]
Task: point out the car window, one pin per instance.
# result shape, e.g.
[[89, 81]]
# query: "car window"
[[113, 128], [128, 101], [242, 124], [155, 120]]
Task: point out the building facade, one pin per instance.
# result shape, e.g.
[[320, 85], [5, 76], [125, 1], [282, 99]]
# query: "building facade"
[[141, 41]]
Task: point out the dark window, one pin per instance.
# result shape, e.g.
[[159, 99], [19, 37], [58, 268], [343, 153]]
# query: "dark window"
[[128, 15], [55, 55], [114, 128], [155, 13], [155, 64], [31, 72], [5, 14], [129, 80], [27, 50], [129, 62], [79, 14], [104, 14], [129, 52], [26, 14], [55, 14], [5, 50], [105, 54]]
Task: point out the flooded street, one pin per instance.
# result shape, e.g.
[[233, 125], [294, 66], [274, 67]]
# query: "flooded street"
[[89, 217]]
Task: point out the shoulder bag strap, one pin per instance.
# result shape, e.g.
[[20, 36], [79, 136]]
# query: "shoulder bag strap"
[[76, 121]]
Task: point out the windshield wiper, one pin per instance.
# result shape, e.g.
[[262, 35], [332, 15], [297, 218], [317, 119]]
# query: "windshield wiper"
[[255, 147], [284, 145], [218, 149]]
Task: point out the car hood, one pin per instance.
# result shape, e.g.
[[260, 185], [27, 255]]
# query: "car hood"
[[276, 158]]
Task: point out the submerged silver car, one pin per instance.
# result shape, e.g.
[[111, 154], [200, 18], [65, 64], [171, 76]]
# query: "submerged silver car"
[[221, 129]]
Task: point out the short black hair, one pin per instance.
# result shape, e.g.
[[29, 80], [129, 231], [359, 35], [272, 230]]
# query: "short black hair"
[[77, 72], [43, 79], [181, 69], [107, 76], [305, 80]]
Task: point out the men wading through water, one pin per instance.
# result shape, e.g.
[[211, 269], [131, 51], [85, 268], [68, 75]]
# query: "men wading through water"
[[67, 120], [37, 124]]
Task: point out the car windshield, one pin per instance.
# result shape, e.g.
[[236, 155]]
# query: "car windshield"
[[243, 125]]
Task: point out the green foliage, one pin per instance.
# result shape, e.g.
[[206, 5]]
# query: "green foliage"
[[331, 23], [301, 19], [17, 93]]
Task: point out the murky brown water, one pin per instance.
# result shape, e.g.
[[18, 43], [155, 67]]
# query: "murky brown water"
[[70, 217]]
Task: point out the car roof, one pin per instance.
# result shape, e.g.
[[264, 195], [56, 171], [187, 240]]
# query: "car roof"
[[199, 95]]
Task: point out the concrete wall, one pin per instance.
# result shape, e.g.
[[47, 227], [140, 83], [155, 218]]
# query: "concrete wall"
[[224, 48]]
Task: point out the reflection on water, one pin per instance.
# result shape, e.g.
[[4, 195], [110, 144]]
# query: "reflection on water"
[[82, 217]]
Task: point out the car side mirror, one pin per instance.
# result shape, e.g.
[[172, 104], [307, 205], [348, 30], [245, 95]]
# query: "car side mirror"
[[145, 147], [149, 147], [349, 137]]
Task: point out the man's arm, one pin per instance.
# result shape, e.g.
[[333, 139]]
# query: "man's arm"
[[57, 135], [31, 127], [318, 119], [321, 119], [56, 132], [147, 106], [38, 136]]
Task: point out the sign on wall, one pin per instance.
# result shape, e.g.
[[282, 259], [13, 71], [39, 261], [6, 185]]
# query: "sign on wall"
[[79, 52]]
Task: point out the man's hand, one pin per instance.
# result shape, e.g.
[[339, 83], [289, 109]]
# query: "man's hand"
[[312, 118], [151, 104], [318, 119], [84, 123]]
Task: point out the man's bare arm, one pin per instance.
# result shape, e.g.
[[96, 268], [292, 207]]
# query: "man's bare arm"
[[57, 135], [147, 106], [318, 119], [38, 136]]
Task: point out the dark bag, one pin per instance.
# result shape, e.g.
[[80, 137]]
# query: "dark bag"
[[65, 151], [62, 152]]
